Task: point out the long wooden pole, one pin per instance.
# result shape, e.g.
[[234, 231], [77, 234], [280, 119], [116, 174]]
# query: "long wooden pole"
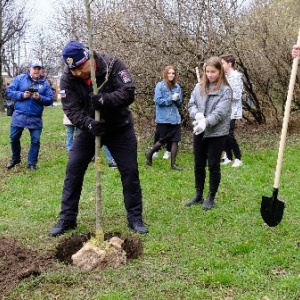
[[99, 228], [286, 118]]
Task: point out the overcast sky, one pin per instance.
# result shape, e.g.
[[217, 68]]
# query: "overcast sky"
[[40, 11]]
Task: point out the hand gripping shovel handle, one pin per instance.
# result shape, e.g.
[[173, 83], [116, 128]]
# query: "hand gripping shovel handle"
[[272, 208]]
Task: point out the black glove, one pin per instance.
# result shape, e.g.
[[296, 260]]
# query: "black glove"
[[97, 100], [97, 127]]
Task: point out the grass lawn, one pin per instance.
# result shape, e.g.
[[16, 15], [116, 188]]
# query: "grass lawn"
[[226, 253]]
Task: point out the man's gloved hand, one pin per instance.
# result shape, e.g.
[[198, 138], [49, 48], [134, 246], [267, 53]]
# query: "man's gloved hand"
[[199, 126], [175, 97], [97, 100], [96, 128]]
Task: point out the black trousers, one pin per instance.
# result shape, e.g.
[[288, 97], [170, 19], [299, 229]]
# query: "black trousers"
[[123, 147], [208, 151], [232, 146]]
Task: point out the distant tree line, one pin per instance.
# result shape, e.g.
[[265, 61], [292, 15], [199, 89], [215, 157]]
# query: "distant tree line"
[[150, 34]]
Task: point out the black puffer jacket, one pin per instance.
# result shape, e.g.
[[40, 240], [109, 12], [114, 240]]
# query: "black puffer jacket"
[[117, 92]]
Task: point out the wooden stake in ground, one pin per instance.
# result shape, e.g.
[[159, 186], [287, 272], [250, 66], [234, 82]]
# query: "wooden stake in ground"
[[99, 228]]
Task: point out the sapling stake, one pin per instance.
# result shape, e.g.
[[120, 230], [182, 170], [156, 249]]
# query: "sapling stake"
[[99, 226]]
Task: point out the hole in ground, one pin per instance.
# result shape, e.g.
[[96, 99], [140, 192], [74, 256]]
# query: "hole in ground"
[[68, 246]]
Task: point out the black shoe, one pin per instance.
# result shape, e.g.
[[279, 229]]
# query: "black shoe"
[[148, 158], [175, 167], [197, 199], [62, 226], [112, 165], [138, 226], [12, 163], [208, 203], [31, 167]]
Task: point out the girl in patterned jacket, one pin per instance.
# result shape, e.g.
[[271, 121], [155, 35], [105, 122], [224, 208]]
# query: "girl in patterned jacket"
[[236, 83]]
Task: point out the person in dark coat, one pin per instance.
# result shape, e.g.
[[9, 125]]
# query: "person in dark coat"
[[115, 128]]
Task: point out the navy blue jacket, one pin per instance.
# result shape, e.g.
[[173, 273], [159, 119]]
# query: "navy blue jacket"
[[117, 92]]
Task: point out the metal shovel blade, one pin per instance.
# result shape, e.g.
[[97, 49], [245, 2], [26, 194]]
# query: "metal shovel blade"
[[272, 209]]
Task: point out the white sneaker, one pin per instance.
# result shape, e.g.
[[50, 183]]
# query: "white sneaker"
[[166, 155], [226, 161], [155, 154], [237, 163]]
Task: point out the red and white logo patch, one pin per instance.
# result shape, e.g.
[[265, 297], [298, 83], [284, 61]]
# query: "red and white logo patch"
[[62, 93], [125, 77]]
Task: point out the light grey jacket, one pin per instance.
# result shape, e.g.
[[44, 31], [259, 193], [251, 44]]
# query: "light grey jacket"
[[216, 107]]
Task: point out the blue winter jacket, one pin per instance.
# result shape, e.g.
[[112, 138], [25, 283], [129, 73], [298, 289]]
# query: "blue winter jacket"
[[28, 112], [166, 109]]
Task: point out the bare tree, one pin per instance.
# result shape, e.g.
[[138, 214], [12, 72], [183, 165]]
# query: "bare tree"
[[262, 42], [12, 27], [150, 34]]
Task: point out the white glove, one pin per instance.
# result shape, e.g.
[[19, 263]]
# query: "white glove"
[[199, 116], [175, 97], [199, 126]]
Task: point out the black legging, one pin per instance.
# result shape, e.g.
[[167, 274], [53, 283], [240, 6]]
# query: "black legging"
[[208, 150], [174, 149], [156, 139], [231, 143]]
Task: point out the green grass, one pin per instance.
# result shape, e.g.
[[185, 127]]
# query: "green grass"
[[189, 253]]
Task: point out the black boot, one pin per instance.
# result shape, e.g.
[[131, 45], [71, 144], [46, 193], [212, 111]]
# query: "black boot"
[[62, 226], [138, 226], [149, 153], [12, 163], [209, 202], [175, 167], [197, 199], [149, 158], [174, 149]]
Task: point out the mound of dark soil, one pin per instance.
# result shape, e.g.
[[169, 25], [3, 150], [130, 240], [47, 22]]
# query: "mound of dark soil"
[[18, 262]]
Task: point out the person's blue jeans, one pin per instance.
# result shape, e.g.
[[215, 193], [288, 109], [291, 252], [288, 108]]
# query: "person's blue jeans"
[[107, 154], [15, 135], [70, 130]]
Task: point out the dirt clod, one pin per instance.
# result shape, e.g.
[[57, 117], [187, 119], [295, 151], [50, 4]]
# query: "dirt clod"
[[19, 263]]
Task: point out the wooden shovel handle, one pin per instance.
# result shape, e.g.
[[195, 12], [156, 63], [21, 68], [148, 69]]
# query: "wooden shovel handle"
[[198, 74], [286, 118]]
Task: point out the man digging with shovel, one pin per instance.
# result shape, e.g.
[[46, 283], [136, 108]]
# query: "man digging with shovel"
[[115, 128]]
